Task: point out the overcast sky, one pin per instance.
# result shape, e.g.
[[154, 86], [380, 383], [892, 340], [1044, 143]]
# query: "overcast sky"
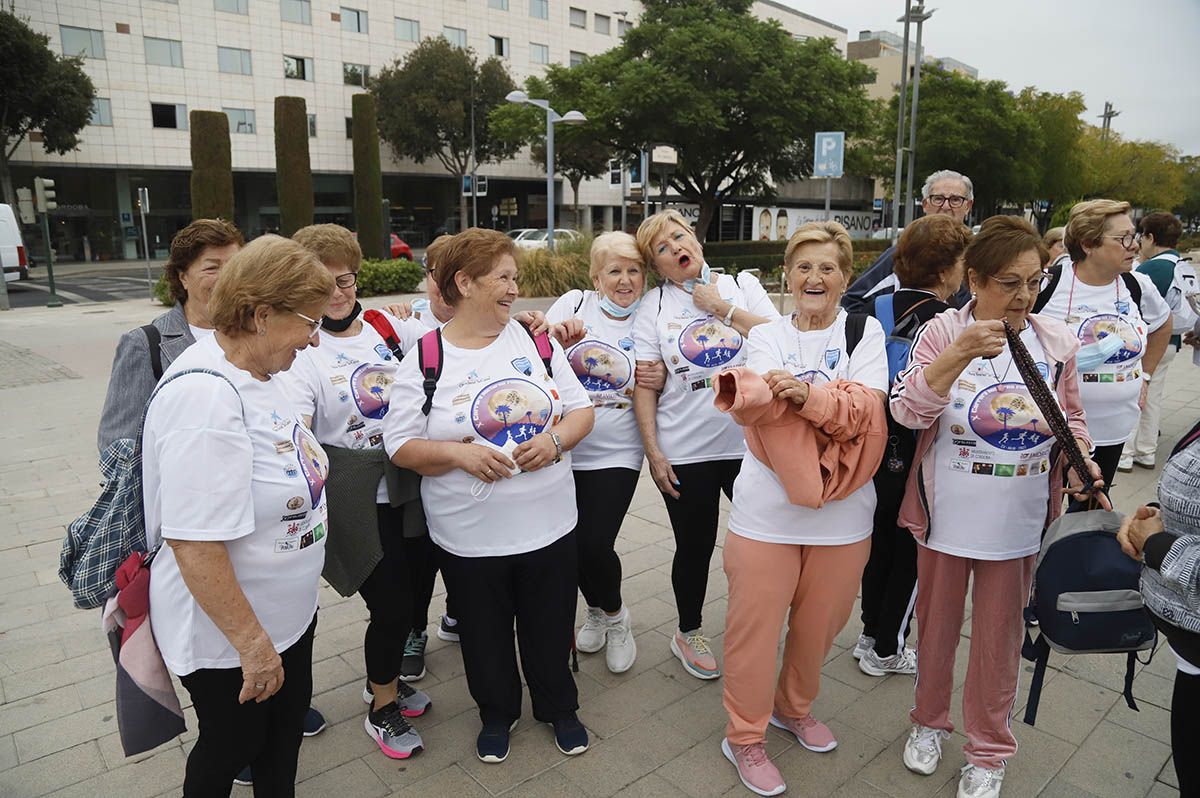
[[1143, 55]]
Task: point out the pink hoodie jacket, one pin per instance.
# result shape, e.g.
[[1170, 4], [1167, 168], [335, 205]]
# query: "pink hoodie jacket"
[[917, 406]]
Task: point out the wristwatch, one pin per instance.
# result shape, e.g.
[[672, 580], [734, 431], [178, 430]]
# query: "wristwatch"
[[558, 449], [729, 316]]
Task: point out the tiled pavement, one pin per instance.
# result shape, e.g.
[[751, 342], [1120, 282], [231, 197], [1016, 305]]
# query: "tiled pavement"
[[655, 730]]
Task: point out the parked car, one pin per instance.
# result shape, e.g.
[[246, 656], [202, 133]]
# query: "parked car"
[[536, 239], [13, 257], [399, 249], [517, 233]]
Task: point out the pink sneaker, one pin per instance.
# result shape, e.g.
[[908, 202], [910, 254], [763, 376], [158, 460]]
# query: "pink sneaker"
[[693, 651], [810, 732], [754, 768]]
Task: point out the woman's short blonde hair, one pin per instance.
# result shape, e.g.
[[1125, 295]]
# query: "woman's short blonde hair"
[[474, 252], [654, 225], [821, 233], [1053, 236], [1087, 224], [616, 244], [332, 243], [272, 271]]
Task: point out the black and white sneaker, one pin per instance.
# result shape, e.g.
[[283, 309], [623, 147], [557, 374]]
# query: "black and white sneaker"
[[412, 667], [391, 731], [448, 629], [413, 703]]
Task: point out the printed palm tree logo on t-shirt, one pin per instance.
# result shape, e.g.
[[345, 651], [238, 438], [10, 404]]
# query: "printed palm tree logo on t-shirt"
[[1096, 327], [1006, 416], [709, 344], [510, 410], [599, 366], [371, 385], [314, 463]]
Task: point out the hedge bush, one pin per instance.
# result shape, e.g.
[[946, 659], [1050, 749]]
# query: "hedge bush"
[[379, 277], [162, 292], [293, 171], [212, 165]]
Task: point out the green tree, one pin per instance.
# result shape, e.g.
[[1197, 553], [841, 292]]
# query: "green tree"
[[39, 90], [1058, 159], [426, 103], [737, 97], [293, 171], [579, 151], [1188, 208], [368, 177], [212, 165]]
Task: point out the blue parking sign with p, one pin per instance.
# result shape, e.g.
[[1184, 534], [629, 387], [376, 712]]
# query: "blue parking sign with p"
[[828, 154]]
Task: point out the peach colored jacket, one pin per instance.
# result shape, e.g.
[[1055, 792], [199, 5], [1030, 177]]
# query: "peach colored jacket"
[[821, 452]]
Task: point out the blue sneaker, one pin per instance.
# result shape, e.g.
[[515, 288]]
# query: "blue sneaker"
[[491, 745], [412, 667], [570, 736], [314, 723]]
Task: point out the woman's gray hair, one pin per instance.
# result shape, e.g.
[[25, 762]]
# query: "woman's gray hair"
[[947, 174]]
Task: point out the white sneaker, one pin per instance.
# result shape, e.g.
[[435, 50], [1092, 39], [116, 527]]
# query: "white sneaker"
[[1125, 464], [977, 782], [591, 635], [622, 650], [863, 645], [923, 750], [901, 662]]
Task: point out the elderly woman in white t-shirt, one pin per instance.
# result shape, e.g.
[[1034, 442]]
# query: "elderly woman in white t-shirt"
[[695, 323], [488, 416], [233, 594], [786, 559], [984, 454]]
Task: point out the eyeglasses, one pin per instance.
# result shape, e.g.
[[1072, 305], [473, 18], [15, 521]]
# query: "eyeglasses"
[[953, 200], [426, 265], [1013, 286], [1128, 241], [805, 269], [314, 324], [347, 280]]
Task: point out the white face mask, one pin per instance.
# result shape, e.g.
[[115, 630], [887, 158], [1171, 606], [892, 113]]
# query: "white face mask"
[[1096, 353]]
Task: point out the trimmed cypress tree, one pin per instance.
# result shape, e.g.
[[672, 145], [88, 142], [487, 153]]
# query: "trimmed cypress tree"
[[212, 166], [368, 178], [293, 172]]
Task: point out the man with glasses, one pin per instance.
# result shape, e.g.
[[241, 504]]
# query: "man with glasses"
[[945, 192]]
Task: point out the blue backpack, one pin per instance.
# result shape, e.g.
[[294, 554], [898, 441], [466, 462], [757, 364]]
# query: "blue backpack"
[[897, 343]]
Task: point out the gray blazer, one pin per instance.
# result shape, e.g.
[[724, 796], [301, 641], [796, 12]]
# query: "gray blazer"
[[132, 379]]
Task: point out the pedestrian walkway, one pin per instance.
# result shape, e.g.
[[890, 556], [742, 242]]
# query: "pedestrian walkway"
[[656, 731]]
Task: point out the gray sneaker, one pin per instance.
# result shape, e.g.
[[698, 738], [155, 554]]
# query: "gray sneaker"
[[863, 645], [391, 731], [904, 662], [590, 638], [413, 703]]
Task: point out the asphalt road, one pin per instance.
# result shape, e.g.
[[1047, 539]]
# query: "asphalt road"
[[76, 283]]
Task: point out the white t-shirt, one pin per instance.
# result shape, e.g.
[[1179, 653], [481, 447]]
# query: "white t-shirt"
[[200, 333], [344, 385], [603, 361], [248, 473], [498, 396], [761, 510], [422, 312], [1110, 391], [992, 459], [695, 346]]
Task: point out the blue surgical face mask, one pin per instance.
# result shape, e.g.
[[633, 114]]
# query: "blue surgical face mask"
[[613, 309], [1098, 352], [705, 278]]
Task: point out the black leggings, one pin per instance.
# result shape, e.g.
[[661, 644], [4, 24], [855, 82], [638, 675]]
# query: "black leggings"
[[889, 587], [694, 518], [421, 556], [264, 736], [388, 596], [602, 498], [1185, 709]]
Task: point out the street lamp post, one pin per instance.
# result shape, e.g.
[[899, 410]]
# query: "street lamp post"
[[918, 15], [897, 194], [552, 118]]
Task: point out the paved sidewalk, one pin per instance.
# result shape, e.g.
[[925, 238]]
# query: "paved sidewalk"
[[655, 730]]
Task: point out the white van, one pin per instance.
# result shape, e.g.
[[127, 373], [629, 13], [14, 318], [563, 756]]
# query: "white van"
[[12, 250]]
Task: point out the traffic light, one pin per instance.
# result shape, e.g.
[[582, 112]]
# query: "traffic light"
[[43, 189]]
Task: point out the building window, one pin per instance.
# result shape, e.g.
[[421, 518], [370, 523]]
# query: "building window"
[[456, 36], [297, 67], [577, 57], [602, 24], [623, 27], [354, 20], [233, 60], [232, 6], [169, 115], [356, 74], [499, 46], [101, 112], [408, 30], [349, 127], [499, 5], [81, 41], [296, 11], [241, 120], [539, 53], [539, 9], [312, 126], [578, 18], [164, 52]]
